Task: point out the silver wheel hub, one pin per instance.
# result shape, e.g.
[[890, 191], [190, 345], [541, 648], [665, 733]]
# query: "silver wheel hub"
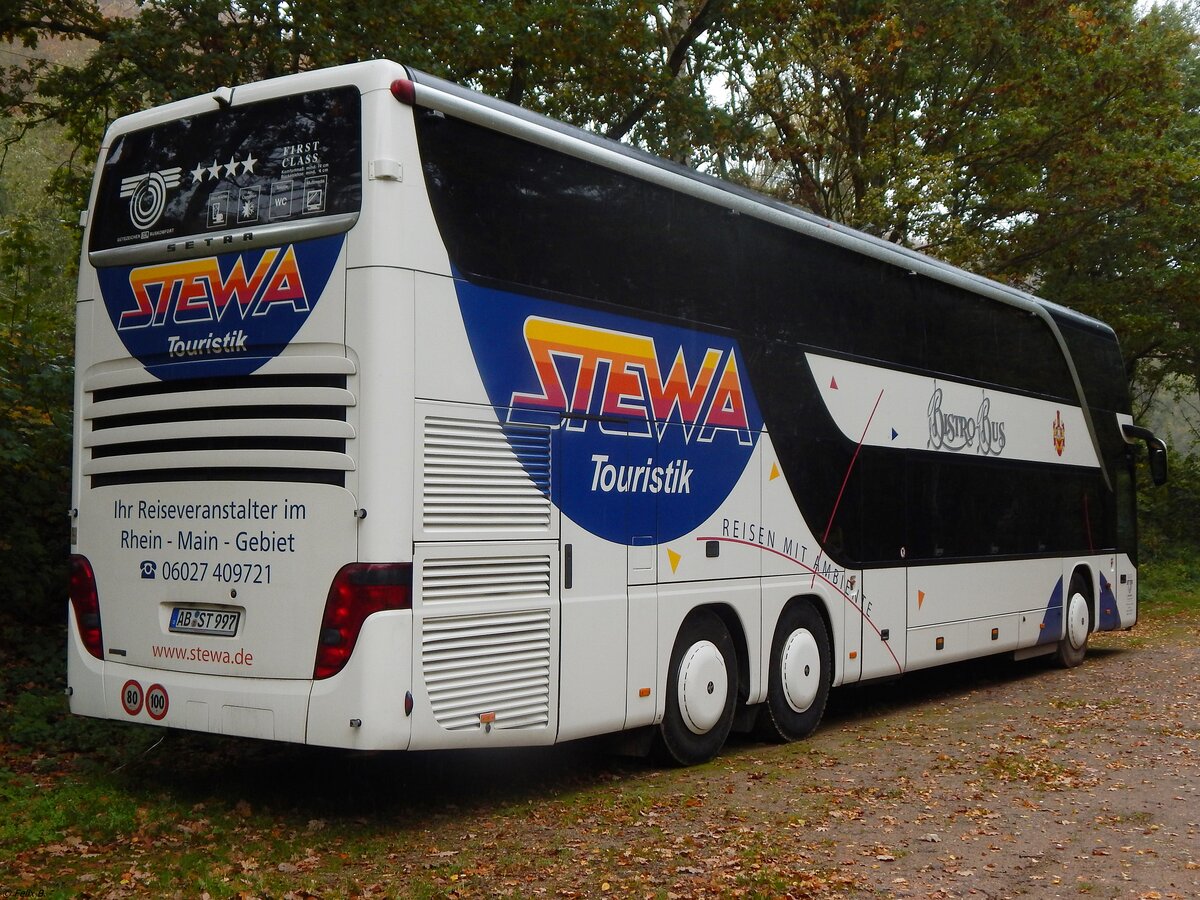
[[800, 669], [1077, 620], [703, 686]]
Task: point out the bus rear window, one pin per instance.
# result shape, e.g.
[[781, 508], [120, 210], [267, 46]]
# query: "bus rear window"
[[279, 161]]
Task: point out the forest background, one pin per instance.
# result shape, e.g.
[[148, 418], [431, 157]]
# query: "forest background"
[[1050, 145]]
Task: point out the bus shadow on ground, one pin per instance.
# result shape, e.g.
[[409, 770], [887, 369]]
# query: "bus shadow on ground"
[[410, 789]]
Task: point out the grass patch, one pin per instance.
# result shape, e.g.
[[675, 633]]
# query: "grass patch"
[[1170, 582], [39, 813], [1081, 703]]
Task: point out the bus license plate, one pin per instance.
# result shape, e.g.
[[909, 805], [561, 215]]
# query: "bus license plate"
[[187, 620]]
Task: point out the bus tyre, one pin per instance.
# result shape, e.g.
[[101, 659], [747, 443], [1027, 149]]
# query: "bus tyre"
[[702, 687], [1073, 647], [800, 675]]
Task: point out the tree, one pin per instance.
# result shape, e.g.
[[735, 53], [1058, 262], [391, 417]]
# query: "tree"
[[627, 67], [38, 250], [1045, 144]]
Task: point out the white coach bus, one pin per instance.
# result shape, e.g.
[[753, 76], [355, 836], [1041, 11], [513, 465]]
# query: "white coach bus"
[[406, 418]]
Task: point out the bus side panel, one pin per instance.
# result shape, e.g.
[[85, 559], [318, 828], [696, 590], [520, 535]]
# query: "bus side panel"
[[735, 540], [444, 367], [396, 226], [1126, 591], [380, 334], [973, 609], [608, 624], [485, 639], [792, 554], [884, 617]]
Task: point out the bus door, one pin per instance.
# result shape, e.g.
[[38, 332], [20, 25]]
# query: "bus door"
[[485, 580], [884, 622], [609, 592]]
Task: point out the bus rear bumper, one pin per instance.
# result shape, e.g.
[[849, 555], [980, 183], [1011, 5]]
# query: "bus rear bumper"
[[271, 708], [362, 707]]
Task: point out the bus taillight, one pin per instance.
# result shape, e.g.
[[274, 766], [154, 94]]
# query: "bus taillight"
[[86, 603], [358, 590]]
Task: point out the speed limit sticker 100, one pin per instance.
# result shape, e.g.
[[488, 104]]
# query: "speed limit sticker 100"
[[157, 702]]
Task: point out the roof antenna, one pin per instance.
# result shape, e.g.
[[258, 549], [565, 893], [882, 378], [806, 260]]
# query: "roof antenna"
[[224, 97]]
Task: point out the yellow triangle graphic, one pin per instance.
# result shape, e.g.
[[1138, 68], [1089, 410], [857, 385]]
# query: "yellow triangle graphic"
[[774, 472], [674, 558], [920, 598]]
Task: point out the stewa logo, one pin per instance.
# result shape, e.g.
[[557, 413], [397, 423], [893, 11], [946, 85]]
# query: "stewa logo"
[[651, 425], [196, 290], [231, 312], [147, 194], [616, 376]]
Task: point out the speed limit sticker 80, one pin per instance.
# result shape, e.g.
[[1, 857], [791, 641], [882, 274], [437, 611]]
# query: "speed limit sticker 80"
[[132, 697]]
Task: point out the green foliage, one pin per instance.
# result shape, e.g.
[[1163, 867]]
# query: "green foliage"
[[1168, 514], [1170, 582], [36, 383], [38, 257]]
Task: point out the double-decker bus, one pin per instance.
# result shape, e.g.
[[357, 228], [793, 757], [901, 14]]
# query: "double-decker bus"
[[407, 418]]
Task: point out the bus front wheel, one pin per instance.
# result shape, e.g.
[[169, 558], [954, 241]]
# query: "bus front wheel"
[[1073, 647], [702, 687], [800, 675]]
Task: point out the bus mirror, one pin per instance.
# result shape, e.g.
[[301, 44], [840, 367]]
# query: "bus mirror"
[[1156, 447], [1158, 461]]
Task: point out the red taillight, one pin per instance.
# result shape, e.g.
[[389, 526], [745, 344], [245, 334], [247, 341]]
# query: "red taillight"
[[86, 603], [358, 590], [405, 91]]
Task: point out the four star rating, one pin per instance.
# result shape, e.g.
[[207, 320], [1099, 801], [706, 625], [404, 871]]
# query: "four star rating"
[[212, 171]]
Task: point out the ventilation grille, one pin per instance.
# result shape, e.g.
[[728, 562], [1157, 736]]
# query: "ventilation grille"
[[278, 427], [484, 477], [488, 665], [520, 579]]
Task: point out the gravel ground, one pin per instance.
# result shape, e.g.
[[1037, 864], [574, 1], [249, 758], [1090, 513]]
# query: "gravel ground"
[[1002, 780]]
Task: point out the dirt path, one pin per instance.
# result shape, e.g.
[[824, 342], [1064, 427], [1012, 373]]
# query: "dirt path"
[[1037, 782], [988, 779]]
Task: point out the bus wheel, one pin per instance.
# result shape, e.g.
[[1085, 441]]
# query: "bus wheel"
[[701, 691], [1073, 647], [800, 676]]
